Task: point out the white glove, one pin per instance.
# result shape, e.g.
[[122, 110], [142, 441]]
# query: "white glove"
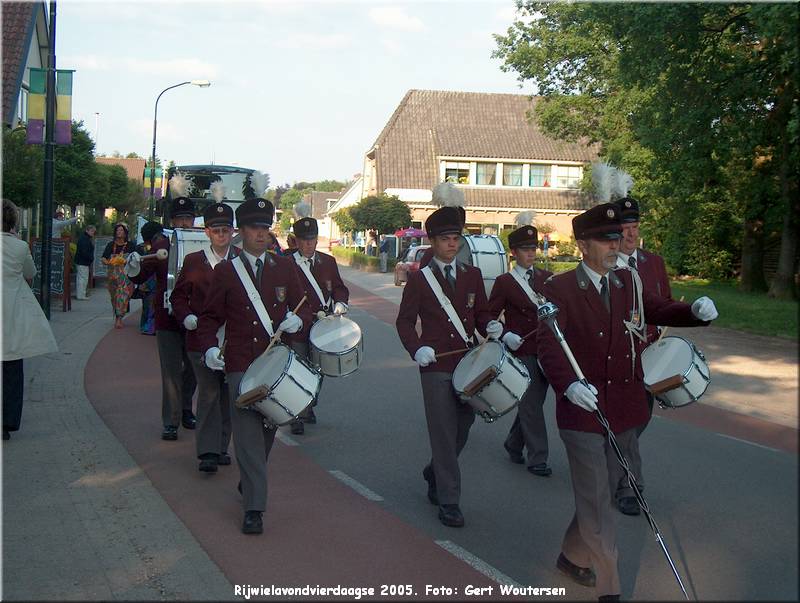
[[580, 395], [133, 265], [425, 356], [292, 323], [493, 329], [512, 340], [704, 309], [339, 308], [190, 322], [213, 360]]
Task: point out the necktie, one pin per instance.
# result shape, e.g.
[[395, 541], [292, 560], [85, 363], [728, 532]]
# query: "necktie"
[[448, 275], [259, 270], [529, 276], [632, 262], [604, 293]]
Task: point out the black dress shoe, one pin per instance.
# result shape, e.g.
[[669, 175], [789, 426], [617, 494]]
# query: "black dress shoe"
[[608, 598], [628, 505], [224, 459], [239, 487], [514, 455], [311, 418], [297, 428], [252, 523], [189, 421], [433, 496], [169, 433], [450, 515], [541, 470], [208, 466], [582, 575]]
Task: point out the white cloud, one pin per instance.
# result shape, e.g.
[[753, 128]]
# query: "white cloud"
[[143, 129], [89, 62], [395, 18], [188, 68], [314, 41], [507, 14], [393, 47]]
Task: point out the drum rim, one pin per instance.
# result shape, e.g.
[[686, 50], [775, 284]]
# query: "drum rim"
[[283, 372], [664, 403], [498, 365]]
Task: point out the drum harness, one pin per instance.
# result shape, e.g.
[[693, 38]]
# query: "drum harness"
[[303, 262], [446, 304], [636, 325]]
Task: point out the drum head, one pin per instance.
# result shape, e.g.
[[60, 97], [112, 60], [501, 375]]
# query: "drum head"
[[267, 369], [666, 358], [476, 362], [335, 334], [464, 251]]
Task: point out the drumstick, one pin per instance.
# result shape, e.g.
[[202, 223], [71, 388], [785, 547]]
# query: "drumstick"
[[664, 332], [161, 254], [222, 349], [278, 333], [452, 352]]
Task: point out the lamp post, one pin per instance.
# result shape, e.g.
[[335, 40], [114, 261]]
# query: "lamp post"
[[201, 84]]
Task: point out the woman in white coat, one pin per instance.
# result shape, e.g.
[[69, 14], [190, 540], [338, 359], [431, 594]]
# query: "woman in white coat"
[[26, 331]]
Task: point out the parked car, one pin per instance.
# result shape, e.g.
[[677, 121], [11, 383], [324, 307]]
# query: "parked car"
[[409, 263]]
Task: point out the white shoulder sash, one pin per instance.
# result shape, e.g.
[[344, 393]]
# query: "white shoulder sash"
[[444, 301], [301, 261], [526, 287], [252, 294]]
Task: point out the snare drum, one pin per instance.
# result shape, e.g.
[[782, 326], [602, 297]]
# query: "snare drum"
[[336, 346], [283, 384], [182, 242], [487, 253], [491, 380], [675, 371]]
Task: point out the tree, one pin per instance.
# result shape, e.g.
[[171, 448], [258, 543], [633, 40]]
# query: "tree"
[[72, 164], [23, 179], [344, 220], [288, 200], [332, 186], [382, 213]]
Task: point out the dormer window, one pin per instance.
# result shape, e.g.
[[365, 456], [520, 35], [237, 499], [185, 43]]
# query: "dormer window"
[[568, 176], [540, 175], [486, 173], [512, 174], [456, 172]]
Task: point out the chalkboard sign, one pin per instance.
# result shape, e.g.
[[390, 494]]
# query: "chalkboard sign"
[[57, 253], [100, 269]]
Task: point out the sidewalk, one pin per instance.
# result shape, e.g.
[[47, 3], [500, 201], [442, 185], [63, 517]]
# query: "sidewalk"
[[750, 374], [80, 519]]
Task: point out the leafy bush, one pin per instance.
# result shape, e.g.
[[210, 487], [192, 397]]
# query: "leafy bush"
[[357, 259]]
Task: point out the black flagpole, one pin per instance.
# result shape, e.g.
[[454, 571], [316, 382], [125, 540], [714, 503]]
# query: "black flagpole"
[[49, 144]]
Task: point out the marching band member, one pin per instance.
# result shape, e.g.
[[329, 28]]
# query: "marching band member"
[[325, 291], [188, 298], [275, 289], [594, 303], [177, 378], [445, 194], [450, 299], [514, 293]]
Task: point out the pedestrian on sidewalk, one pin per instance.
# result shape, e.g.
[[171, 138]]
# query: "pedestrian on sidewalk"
[[84, 256], [60, 224], [120, 287], [26, 331], [384, 249]]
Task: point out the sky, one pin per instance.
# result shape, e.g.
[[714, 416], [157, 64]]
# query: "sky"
[[299, 90]]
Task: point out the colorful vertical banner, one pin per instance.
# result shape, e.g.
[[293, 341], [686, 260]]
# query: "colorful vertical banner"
[[157, 190], [63, 132], [37, 93]]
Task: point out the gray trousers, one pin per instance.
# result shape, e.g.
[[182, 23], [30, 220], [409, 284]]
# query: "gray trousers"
[[529, 429], [213, 432], [591, 538], [449, 421], [177, 377], [301, 348], [252, 442]]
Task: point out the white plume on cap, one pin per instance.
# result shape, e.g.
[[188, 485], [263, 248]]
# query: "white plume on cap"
[[525, 218], [260, 182], [179, 185], [302, 210], [610, 183], [217, 191], [447, 194]]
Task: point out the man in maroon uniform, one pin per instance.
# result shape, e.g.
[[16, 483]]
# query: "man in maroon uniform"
[[450, 300], [188, 298], [514, 293], [593, 302], [279, 290], [324, 289], [177, 378]]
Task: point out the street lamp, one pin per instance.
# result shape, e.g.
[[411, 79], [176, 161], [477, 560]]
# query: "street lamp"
[[201, 84]]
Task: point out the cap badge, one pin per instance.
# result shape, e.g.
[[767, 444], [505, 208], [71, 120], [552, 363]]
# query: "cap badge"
[[530, 232], [610, 213], [627, 203], [261, 204], [181, 201], [306, 223], [220, 210]]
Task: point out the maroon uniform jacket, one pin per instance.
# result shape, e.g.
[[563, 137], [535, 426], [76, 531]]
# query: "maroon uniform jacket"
[[326, 273], [469, 302], [653, 273], [601, 345], [520, 313], [227, 303], [164, 320], [192, 289]]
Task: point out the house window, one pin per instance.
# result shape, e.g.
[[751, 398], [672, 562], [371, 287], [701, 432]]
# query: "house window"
[[486, 173], [540, 175], [456, 172], [512, 174], [569, 176], [22, 106]]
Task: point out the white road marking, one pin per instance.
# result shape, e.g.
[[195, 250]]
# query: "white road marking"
[[355, 485], [722, 435], [479, 564], [285, 439]]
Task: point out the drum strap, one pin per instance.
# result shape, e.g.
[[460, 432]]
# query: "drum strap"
[[525, 286], [253, 295], [301, 261], [446, 304], [636, 325]]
